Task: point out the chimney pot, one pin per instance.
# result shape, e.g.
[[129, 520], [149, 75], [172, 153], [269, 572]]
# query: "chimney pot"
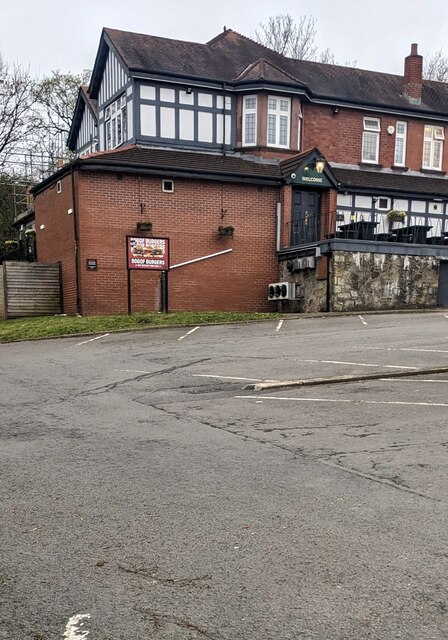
[[414, 49]]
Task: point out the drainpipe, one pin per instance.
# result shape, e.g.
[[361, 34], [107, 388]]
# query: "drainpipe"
[[76, 240], [278, 214]]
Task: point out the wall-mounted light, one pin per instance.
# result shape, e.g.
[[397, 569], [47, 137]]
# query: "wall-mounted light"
[[69, 212], [320, 165], [42, 227], [335, 109], [188, 90]]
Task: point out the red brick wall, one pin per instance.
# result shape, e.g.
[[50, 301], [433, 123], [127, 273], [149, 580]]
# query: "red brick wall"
[[109, 209], [339, 136], [56, 242]]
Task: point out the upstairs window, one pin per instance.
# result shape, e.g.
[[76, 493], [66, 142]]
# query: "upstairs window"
[[249, 120], [279, 110], [400, 144], [371, 140], [433, 147], [116, 123]]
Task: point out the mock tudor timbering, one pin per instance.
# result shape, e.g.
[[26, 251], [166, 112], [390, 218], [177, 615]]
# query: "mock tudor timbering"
[[330, 177]]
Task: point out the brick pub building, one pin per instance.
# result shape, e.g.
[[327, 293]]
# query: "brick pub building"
[[326, 179]]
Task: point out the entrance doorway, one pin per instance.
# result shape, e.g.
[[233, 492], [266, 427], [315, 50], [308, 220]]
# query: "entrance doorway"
[[305, 225]]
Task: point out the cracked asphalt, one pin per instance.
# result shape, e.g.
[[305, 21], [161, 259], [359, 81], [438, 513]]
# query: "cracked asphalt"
[[145, 491]]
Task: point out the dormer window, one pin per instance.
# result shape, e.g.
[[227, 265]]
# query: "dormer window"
[[116, 123], [279, 110], [371, 140], [250, 120]]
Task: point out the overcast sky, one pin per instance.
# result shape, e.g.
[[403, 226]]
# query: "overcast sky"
[[64, 34]]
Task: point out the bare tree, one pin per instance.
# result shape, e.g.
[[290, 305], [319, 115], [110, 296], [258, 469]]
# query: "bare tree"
[[288, 37], [436, 67], [17, 107]]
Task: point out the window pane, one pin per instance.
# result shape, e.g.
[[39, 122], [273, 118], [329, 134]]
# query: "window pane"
[[249, 129], [250, 103], [427, 154], [437, 155], [284, 105], [283, 130], [401, 128], [369, 147], [399, 148], [371, 125], [272, 129], [272, 104], [428, 132]]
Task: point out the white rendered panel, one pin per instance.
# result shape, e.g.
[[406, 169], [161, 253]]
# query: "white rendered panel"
[[130, 120], [344, 200], [167, 95], [167, 122], [147, 92], [418, 206], [228, 129], [186, 98], [186, 124], [364, 202], [205, 100], [148, 120], [205, 127]]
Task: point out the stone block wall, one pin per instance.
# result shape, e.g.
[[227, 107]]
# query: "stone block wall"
[[369, 281]]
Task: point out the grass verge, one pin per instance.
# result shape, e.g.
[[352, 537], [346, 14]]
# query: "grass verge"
[[55, 326]]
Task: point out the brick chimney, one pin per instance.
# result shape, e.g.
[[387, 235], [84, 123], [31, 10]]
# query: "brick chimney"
[[413, 68]]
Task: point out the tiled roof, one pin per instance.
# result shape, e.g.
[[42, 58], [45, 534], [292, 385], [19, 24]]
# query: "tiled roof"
[[184, 161], [229, 55], [391, 182]]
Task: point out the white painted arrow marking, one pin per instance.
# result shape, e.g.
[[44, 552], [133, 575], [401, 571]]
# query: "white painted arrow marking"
[[73, 629]]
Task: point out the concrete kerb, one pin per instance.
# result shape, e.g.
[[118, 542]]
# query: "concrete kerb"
[[312, 382]]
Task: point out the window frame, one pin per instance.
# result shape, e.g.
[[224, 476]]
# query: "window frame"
[[371, 131], [278, 113], [400, 136], [434, 141], [115, 123], [249, 111]]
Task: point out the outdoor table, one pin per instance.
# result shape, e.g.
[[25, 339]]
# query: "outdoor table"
[[359, 230], [414, 233]]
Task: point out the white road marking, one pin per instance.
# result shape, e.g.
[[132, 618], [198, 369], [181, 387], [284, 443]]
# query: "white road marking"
[[188, 333], [412, 404], [362, 320], [207, 375], [73, 630], [414, 380], [407, 349], [91, 340], [446, 315], [134, 371], [359, 364], [279, 326]]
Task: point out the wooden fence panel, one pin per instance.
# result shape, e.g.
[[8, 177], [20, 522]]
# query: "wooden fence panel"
[[32, 289]]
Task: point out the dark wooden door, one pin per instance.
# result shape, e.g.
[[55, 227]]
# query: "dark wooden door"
[[442, 293], [305, 217]]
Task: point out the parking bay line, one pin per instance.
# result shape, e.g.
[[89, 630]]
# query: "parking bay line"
[[407, 349], [73, 630], [188, 333], [344, 401], [279, 326], [358, 364], [90, 340], [206, 375], [362, 320]]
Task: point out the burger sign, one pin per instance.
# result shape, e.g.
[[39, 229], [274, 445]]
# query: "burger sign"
[[148, 253]]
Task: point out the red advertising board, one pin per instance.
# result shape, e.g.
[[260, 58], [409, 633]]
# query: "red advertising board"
[[148, 253]]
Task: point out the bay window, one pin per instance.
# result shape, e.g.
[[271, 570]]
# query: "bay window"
[[279, 116], [249, 120]]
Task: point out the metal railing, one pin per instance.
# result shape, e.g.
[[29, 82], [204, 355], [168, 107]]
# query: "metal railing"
[[376, 227]]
